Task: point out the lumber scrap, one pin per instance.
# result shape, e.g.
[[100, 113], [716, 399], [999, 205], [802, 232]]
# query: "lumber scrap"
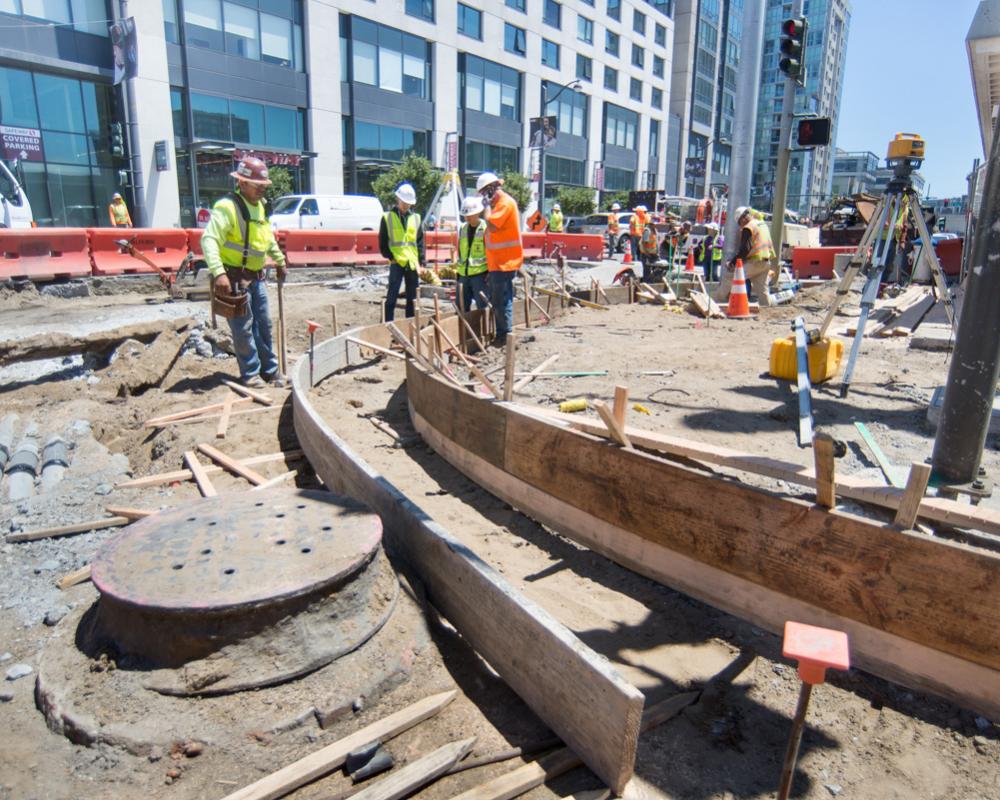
[[524, 380], [508, 375], [49, 345], [569, 298], [916, 485], [329, 758], [230, 463], [705, 305], [418, 773], [823, 456], [73, 578], [131, 513], [209, 417], [159, 422], [69, 530], [362, 344], [468, 364], [186, 475], [895, 475], [199, 474], [277, 480], [617, 430], [253, 394], [907, 317], [659, 297], [227, 409]]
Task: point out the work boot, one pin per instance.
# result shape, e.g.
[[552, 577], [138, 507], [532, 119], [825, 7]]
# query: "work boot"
[[277, 380], [254, 382]]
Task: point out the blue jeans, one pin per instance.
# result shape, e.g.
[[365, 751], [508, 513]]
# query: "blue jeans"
[[472, 285], [252, 335], [396, 276], [502, 298]]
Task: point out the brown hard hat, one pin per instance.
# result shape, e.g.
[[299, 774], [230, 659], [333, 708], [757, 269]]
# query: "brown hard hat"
[[252, 170]]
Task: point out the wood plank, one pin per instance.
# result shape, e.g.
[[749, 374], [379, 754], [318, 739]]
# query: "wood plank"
[[655, 295], [324, 761], [253, 394], [73, 578], [191, 412], [185, 474], [69, 530], [277, 480], [417, 773], [200, 476], [916, 485], [508, 376], [232, 464], [524, 380], [570, 298], [468, 364], [129, 512], [826, 493], [223, 427], [621, 405], [895, 475], [209, 417], [617, 431], [375, 348]]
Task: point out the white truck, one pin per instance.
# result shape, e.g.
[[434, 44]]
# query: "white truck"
[[15, 206]]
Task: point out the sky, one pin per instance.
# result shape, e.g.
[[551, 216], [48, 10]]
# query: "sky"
[[908, 71]]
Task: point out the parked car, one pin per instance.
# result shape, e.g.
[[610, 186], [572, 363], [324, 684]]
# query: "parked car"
[[349, 212], [598, 223]]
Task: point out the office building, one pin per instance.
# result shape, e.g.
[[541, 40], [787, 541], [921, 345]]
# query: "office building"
[[853, 173], [810, 173], [333, 91]]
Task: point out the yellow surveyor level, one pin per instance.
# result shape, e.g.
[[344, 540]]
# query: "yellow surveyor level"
[[906, 145]]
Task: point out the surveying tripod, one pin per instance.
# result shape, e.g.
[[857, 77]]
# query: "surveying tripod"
[[878, 245]]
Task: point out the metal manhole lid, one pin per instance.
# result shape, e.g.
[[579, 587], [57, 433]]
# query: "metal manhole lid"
[[223, 553]]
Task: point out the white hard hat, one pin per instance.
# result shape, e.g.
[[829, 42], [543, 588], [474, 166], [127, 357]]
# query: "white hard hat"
[[406, 194], [641, 208], [473, 204], [616, 207], [556, 207], [485, 180], [742, 210]]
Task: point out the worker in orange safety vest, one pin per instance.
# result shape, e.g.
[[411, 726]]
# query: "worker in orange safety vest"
[[504, 251]]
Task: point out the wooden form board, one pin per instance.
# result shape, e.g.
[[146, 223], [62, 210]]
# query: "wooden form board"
[[762, 557], [576, 692]]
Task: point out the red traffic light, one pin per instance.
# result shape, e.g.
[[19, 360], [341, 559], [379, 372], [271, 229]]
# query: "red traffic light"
[[814, 132], [793, 28]]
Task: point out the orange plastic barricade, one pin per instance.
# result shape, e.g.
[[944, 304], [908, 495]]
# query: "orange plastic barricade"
[[578, 245], [43, 254], [366, 248], [318, 248], [816, 262], [533, 243], [440, 247], [949, 253], [194, 241], [165, 247]]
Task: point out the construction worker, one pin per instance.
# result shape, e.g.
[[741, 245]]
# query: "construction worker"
[[235, 243], [636, 225], [648, 248], [709, 253], [118, 212], [471, 266], [401, 241], [504, 251], [756, 252], [614, 228], [556, 219]]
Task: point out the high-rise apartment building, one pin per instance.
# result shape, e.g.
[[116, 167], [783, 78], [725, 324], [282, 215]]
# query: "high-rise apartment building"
[[335, 91], [810, 173]]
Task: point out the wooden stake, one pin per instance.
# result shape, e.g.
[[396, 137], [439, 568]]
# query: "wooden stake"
[[231, 464], [437, 330], [361, 343], [405, 781], [223, 426], [333, 320], [655, 295], [258, 397], [75, 577], [601, 292], [534, 302], [909, 505], [185, 474], [526, 379], [460, 305], [826, 491], [527, 298], [467, 327], [200, 477], [130, 513], [570, 299], [425, 363], [417, 344], [616, 430], [275, 481], [621, 405], [159, 422], [508, 381], [471, 367], [69, 530]]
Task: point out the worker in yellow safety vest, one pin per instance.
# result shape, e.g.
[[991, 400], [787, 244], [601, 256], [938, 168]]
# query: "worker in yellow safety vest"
[[636, 225], [235, 244], [471, 266], [118, 212], [756, 252], [504, 251], [401, 242], [556, 219]]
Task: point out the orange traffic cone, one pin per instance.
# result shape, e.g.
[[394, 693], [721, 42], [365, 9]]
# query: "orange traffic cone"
[[689, 266], [739, 303], [628, 252]]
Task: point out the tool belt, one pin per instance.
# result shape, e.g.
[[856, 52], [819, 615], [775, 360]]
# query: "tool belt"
[[235, 305]]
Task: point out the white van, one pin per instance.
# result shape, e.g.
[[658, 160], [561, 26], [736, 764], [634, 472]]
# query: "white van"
[[16, 210], [349, 212]]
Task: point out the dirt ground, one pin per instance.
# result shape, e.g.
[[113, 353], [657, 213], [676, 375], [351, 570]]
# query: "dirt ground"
[[865, 738]]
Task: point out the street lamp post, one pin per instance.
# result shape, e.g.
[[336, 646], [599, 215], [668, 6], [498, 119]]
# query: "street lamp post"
[[573, 84]]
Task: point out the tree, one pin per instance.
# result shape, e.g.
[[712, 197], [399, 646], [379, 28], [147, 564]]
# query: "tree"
[[414, 170], [516, 185], [609, 198], [576, 201], [281, 184]]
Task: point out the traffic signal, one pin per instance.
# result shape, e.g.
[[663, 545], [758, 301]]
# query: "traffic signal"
[[814, 131], [117, 140], [793, 40]]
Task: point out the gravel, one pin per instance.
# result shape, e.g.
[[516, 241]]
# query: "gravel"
[[19, 671]]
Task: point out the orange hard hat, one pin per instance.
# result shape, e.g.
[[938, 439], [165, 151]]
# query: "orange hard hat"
[[252, 170]]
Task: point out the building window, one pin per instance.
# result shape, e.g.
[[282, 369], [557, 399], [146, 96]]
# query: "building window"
[[638, 56], [658, 66], [387, 143], [389, 59], [170, 32], [611, 43], [657, 98], [235, 29], [584, 67], [635, 89], [620, 126], [585, 29], [615, 9], [243, 122], [491, 88], [665, 7], [654, 133], [639, 22], [240, 27], [660, 35], [179, 112], [424, 9], [569, 108], [513, 39], [485, 157], [550, 54], [88, 16], [618, 180], [552, 15], [611, 79], [517, 5], [470, 21], [565, 171]]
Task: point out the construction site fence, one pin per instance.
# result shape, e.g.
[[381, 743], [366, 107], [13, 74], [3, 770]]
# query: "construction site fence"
[[45, 254]]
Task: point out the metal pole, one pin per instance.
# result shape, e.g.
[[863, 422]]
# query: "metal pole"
[[975, 363], [744, 121], [971, 182], [138, 188], [794, 740], [784, 152]]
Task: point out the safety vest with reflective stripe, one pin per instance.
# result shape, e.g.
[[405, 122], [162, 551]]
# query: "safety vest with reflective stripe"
[[761, 248], [648, 242], [613, 227], [403, 241], [636, 224], [231, 253], [474, 262], [504, 251], [556, 222], [120, 213]]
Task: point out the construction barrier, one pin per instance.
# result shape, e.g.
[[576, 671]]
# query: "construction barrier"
[[318, 248], [576, 246], [816, 262], [949, 253], [533, 243], [165, 247], [194, 241], [440, 247], [44, 254], [366, 248]]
